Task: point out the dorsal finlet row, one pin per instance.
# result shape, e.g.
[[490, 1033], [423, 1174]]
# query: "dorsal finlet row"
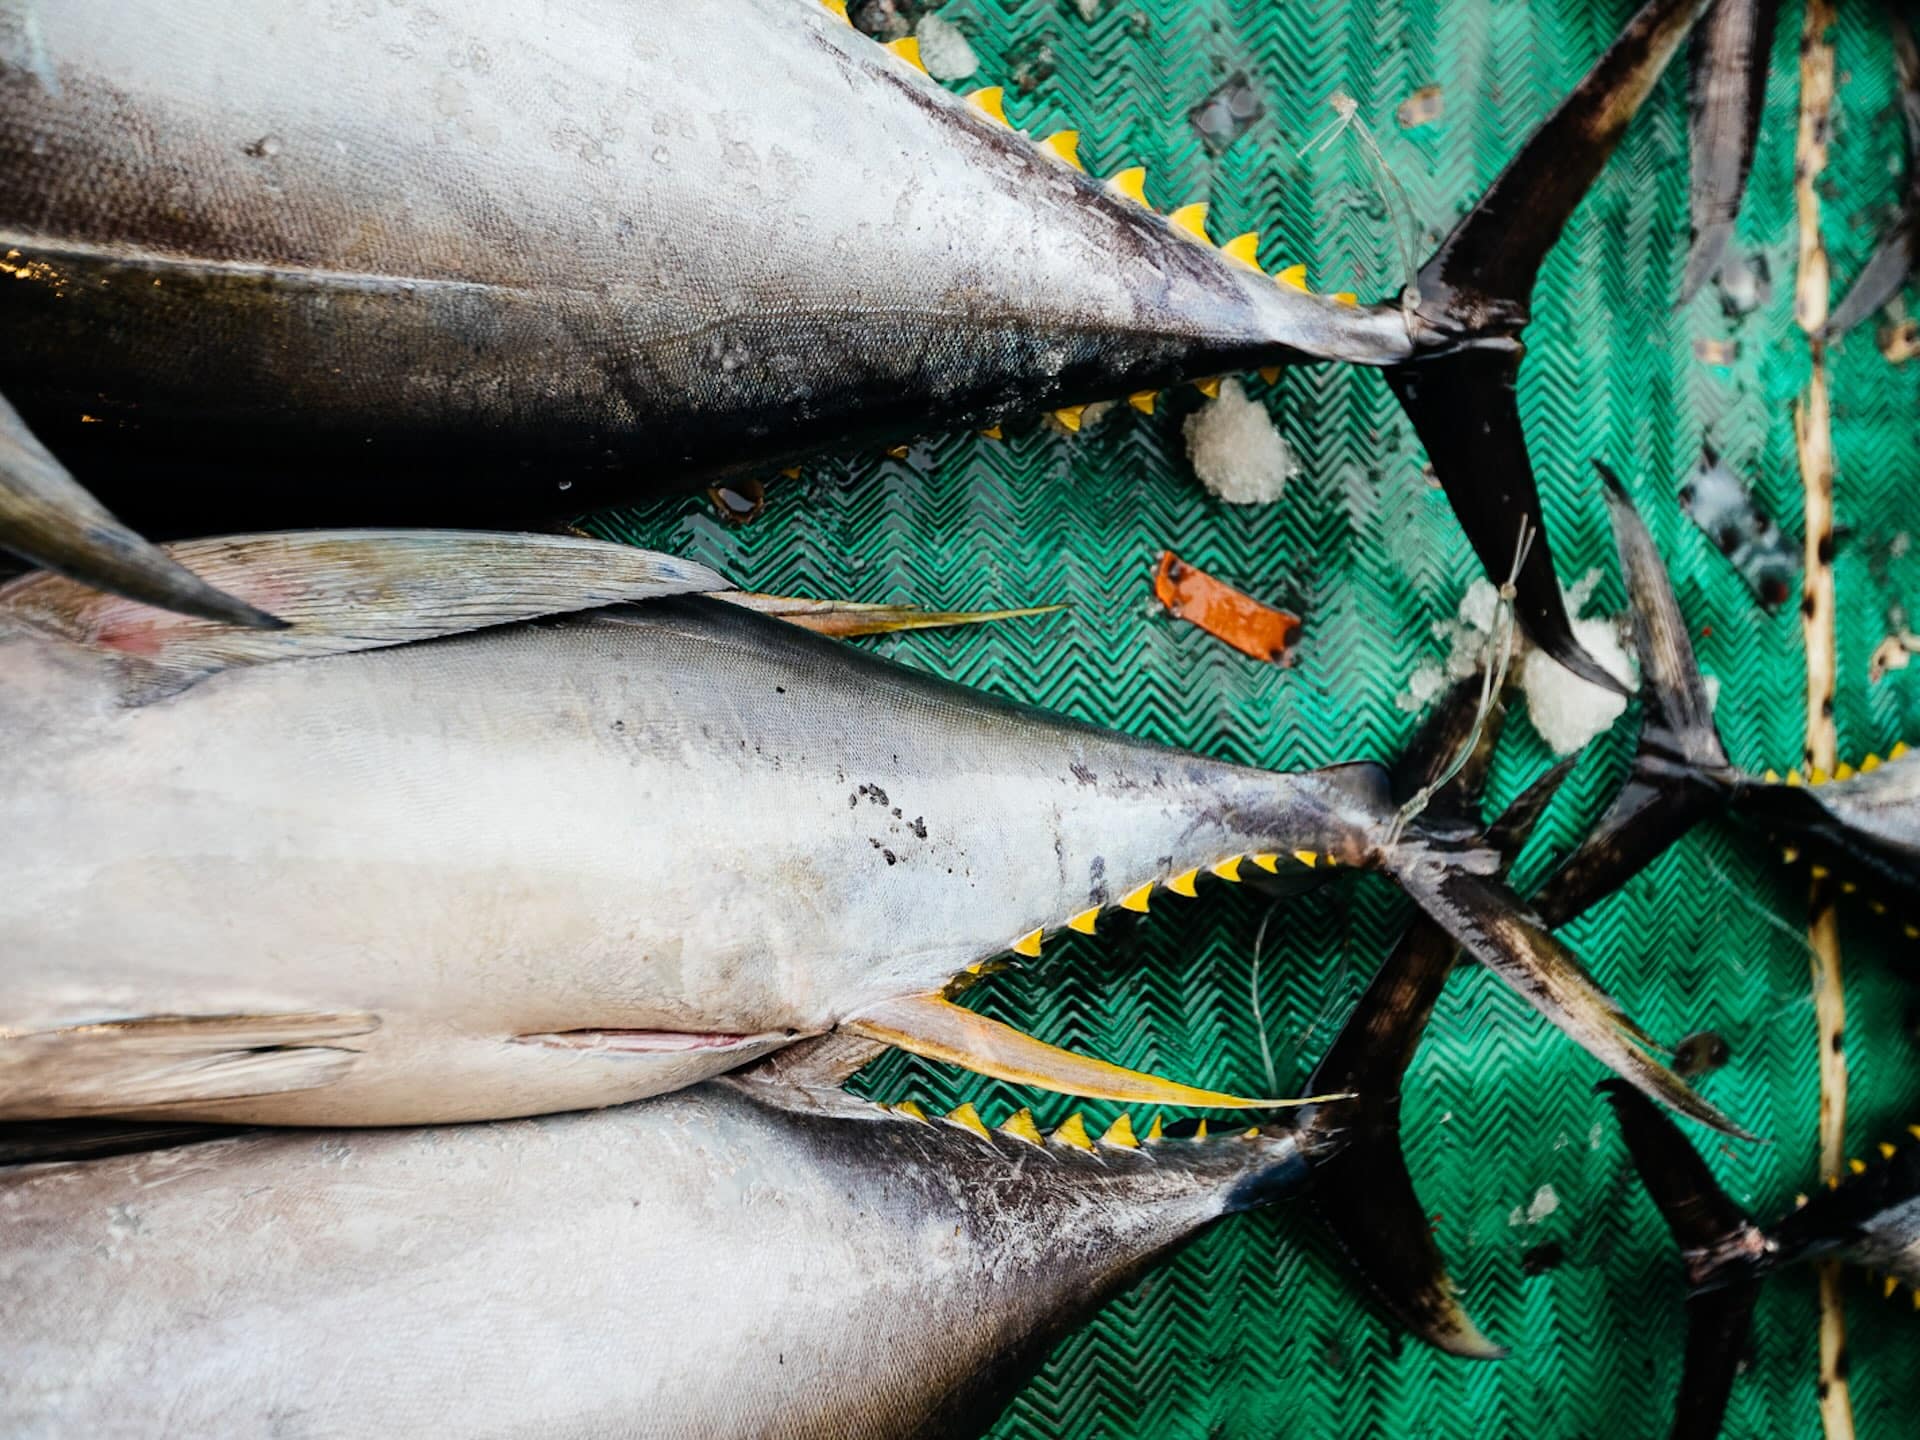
[[1185, 883], [1071, 1133], [1818, 776]]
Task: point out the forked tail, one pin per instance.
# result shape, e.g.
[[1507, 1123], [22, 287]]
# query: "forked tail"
[[1471, 301], [1726, 1256]]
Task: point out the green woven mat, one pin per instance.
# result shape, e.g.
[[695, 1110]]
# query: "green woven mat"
[[1257, 1330]]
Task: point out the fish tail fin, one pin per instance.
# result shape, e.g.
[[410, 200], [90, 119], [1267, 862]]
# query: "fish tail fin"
[[1360, 1187], [48, 518], [1680, 773], [1470, 301], [1726, 1257], [1731, 55]]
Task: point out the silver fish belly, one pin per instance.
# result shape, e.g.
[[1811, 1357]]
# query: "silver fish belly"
[[704, 1264]]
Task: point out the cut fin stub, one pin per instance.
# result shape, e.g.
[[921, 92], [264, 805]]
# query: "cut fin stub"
[[848, 619], [935, 1028], [47, 517]]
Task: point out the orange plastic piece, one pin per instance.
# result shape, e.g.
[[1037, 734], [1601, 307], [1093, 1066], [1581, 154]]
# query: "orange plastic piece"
[[1223, 612]]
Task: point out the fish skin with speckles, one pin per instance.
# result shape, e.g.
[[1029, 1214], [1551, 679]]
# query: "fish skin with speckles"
[[472, 839]]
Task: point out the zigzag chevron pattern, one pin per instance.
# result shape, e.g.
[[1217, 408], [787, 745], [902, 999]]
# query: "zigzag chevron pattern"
[[1256, 1330]]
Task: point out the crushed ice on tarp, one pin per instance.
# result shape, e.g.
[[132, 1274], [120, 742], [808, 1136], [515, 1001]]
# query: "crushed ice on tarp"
[[1745, 283], [1718, 501], [1227, 114]]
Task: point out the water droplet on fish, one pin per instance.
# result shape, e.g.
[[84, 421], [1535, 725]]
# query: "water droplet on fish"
[[738, 501]]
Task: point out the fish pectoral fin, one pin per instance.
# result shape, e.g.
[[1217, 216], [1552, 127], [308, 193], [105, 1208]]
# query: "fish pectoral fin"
[[844, 619], [934, 1027], [155, 1061], [48, 517], [348, 590]]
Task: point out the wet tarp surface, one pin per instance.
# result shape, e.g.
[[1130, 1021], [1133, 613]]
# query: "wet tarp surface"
[[1257, 1329]]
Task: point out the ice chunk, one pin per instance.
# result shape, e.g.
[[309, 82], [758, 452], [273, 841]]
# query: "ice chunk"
[[1236, 451]]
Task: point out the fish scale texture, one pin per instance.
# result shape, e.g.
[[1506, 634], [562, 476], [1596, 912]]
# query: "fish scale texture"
[[1257, 1329]]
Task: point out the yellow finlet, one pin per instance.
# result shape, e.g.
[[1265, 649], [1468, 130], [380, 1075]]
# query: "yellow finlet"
[[935, 1028], [1136, 900], [1898, 751], [1142, 400], [1820, 872], [1027, 945], [1192, 219], [994, 432], [1818, 777], [1021, 1127], [911, 1109], [792, 472], [1916, 1299], [1793, 777], [1345, 297], [1209, 387], [1294, 277], [1790, 855], [1306, 858], [1892, 1284], [1772, 777], [1228, 869], [1270, 374], [1845, 772], [1913, 932], [1833, 1182], [1267, 861], [1870, 764], [1800, 1202], [990, 101], [838, 7], [1154, 1132], [1065, 145], [898, 452], [1073, 1131], [1182, 884], [1083, 922], [1069, 415], [968, 1118], [1887, 1152], [1131, 183], [1252, 1132], [908, 49], [1201, 1132], [1120, 1134], [1914, 1130], [1244, 248], [1858, 1167]]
